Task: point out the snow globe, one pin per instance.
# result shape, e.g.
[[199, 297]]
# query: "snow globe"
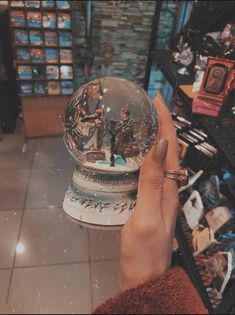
[[109, 126]]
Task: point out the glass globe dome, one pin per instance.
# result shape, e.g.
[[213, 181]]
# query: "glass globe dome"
[[110, 124]]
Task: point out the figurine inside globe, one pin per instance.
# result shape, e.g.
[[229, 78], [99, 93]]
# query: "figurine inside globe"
[[110, 125]]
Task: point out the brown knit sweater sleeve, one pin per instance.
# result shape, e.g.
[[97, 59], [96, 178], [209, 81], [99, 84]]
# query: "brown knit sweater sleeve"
[[170, 293]]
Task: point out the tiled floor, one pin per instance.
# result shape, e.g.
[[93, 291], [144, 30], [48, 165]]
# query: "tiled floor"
[[48, 263]]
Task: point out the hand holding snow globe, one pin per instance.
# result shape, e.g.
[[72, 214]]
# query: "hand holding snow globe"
[[110, 125]]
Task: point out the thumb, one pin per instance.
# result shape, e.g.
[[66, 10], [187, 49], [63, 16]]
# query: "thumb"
[[150, 186]]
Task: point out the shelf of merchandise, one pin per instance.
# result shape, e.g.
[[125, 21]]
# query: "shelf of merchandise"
[[221, 129], [43, 113], [223, 137]]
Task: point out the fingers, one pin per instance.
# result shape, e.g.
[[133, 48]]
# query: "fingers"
[[167, 131], [150, 186]]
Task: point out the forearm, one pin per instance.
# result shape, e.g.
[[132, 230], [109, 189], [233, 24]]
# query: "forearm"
[[170, 293]]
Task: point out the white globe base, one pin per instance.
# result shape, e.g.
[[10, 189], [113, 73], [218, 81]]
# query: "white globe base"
[[111, 209]]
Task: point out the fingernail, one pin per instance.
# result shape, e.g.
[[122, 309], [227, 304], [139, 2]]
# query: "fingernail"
[[160, 151]]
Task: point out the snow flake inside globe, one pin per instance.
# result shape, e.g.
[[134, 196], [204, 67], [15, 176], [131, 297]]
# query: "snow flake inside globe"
[[110, 125]]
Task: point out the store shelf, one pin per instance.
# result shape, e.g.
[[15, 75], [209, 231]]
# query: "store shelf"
[[221, 129]]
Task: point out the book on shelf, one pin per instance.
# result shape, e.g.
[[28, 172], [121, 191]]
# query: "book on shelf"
[[66, 72], [40, 87], [67, 87], [48, 4], [34, 19], [53, 87], [17, 4], [23, 55], [32, 4], [50, 38], [49, 19], [51, 55], [220, 267], [66, 56], [62, 4], [64, 20], [38, 71], [37, 55], [52, 72], [21, 37], [25, 87], [35, 38], [17, 18], [24, 72], [65, 38]]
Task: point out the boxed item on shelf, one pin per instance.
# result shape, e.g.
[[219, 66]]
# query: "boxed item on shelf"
[[23, 55], [35, 38], [52, 72], [66, 72], [49, 19], [34, 19], [40, 88], [17, 18], [48, 3], [21, 37], [51, 55], [67, 87], [25, 87], [62, 4], [24, 72], [53, 87], [66, 56], [64, 20], [50, 38], [32, 3], [38, 71], [37, 55]]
